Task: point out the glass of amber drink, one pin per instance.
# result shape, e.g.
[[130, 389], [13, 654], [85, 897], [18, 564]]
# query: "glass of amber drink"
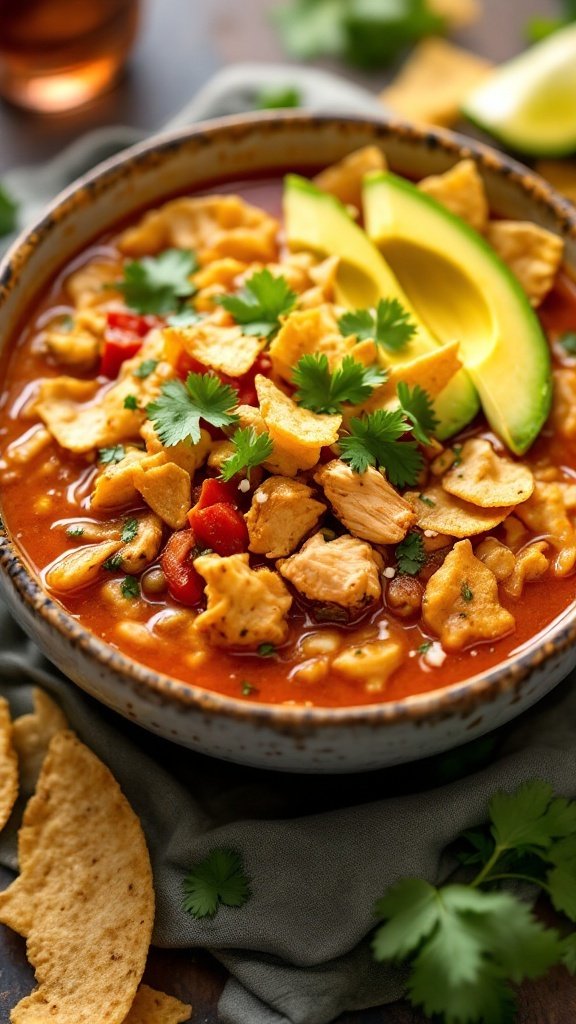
[[58, 54]]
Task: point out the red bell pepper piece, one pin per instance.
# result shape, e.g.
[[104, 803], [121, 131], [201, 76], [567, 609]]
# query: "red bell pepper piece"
[[215, 492], [184, 583], [221, 528], [123, 339]]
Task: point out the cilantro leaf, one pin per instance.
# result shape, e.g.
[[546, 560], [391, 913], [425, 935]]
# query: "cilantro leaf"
[[184, 318], [145, 368], [217, 880], [8, 212], [531, 816], [373, 441], [274, 99], [129, 531], [418, 408], [250, 449], [113, 563], [177, 412], [410, 554], [108, 456], [130, 588], [389, 325], [568, 342], [325, 392], [131, 402], [259, 305], [155, 284], [569, 953], [75, 531]]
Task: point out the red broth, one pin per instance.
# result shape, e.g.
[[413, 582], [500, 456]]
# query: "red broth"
[[56, 485]]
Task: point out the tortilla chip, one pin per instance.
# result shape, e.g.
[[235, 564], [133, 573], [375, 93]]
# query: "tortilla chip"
[[344, 179], [151, 1007], [485, 479], [461, 190], [85, 898], [442, 512], [8, 765], [458, 13], [32, 736], [433, 83], [167, 490], [223, 349], [561, 174], [294, 427], [533, 254]]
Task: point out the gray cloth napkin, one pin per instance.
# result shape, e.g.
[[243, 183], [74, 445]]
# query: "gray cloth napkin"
[[319, 851]]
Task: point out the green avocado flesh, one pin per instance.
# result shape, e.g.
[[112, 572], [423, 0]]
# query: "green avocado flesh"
[[319, 222], [462, 290]]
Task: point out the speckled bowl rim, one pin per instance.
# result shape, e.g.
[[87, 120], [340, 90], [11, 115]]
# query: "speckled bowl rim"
[[456, 699]]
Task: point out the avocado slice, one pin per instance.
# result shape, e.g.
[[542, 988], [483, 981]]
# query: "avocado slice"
[[318, 221], [461, 288]]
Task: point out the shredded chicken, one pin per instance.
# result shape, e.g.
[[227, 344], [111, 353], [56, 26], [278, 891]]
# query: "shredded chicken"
[[545, 514], [371, 663], [141, 551], [461, 603], [246, 607], [498, 557], [531, 564], [283, 511], [344, 571], [81, 567], [366, 503]]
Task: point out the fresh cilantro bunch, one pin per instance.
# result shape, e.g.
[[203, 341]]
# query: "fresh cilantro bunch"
[[177, 412], [466, 944], [389, 325], [366, 33], [374, 441], [217, 880], [157, 284], [325, 392], [250, 449], [258, 306]]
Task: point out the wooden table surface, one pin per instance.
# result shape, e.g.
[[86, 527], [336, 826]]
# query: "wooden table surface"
[[182, 43]]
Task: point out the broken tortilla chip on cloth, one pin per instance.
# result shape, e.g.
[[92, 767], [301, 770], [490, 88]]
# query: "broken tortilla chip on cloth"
[[151, 1007], [8, 765]]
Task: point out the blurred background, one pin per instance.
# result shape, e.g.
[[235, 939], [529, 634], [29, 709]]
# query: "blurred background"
[[179, 44]]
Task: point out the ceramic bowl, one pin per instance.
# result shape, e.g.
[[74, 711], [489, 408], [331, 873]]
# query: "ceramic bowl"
[[285, 738]]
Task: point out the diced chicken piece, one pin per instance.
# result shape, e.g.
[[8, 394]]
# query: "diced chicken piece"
[[91, 284], [223, 349], [371, 663], [166, 489], [304, 332], [344, 179], [29, 445], [114, 488], [77, 348], [297, 430], [214, 226], [80, 567], [461, 190], [283, 511], [442, 512], [564, 403], [246, 607], [461, 603], [485, 479], [531, 564], [345, 572], [185, 454], [282, 461], [533, 254], [433, 82], [138, 553], [498, 557], [545, 514], [365, 503]]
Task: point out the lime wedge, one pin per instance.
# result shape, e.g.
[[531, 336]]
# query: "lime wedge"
[[529, 103]]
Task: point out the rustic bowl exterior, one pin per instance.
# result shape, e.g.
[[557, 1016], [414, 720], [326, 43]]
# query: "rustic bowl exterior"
[[280, 737]]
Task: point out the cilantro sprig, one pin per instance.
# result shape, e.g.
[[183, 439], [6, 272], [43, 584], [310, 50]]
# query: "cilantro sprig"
[[250, 449], [157, 284], [258, 306], [466, 944], [177, 412], [8, 212], [374, 441], [218, 880], [389, 325], [109, 456], [418, 408], [326, 392], [410, 554]]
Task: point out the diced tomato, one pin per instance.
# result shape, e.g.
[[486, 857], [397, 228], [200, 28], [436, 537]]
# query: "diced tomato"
[[221, 528], [184, 583], [186, 364], [215, 492], [123, 339]]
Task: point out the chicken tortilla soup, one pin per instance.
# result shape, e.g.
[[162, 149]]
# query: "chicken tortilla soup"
[[308, 442]]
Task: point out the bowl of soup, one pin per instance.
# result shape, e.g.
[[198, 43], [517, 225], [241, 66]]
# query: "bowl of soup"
[[288, 441]]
